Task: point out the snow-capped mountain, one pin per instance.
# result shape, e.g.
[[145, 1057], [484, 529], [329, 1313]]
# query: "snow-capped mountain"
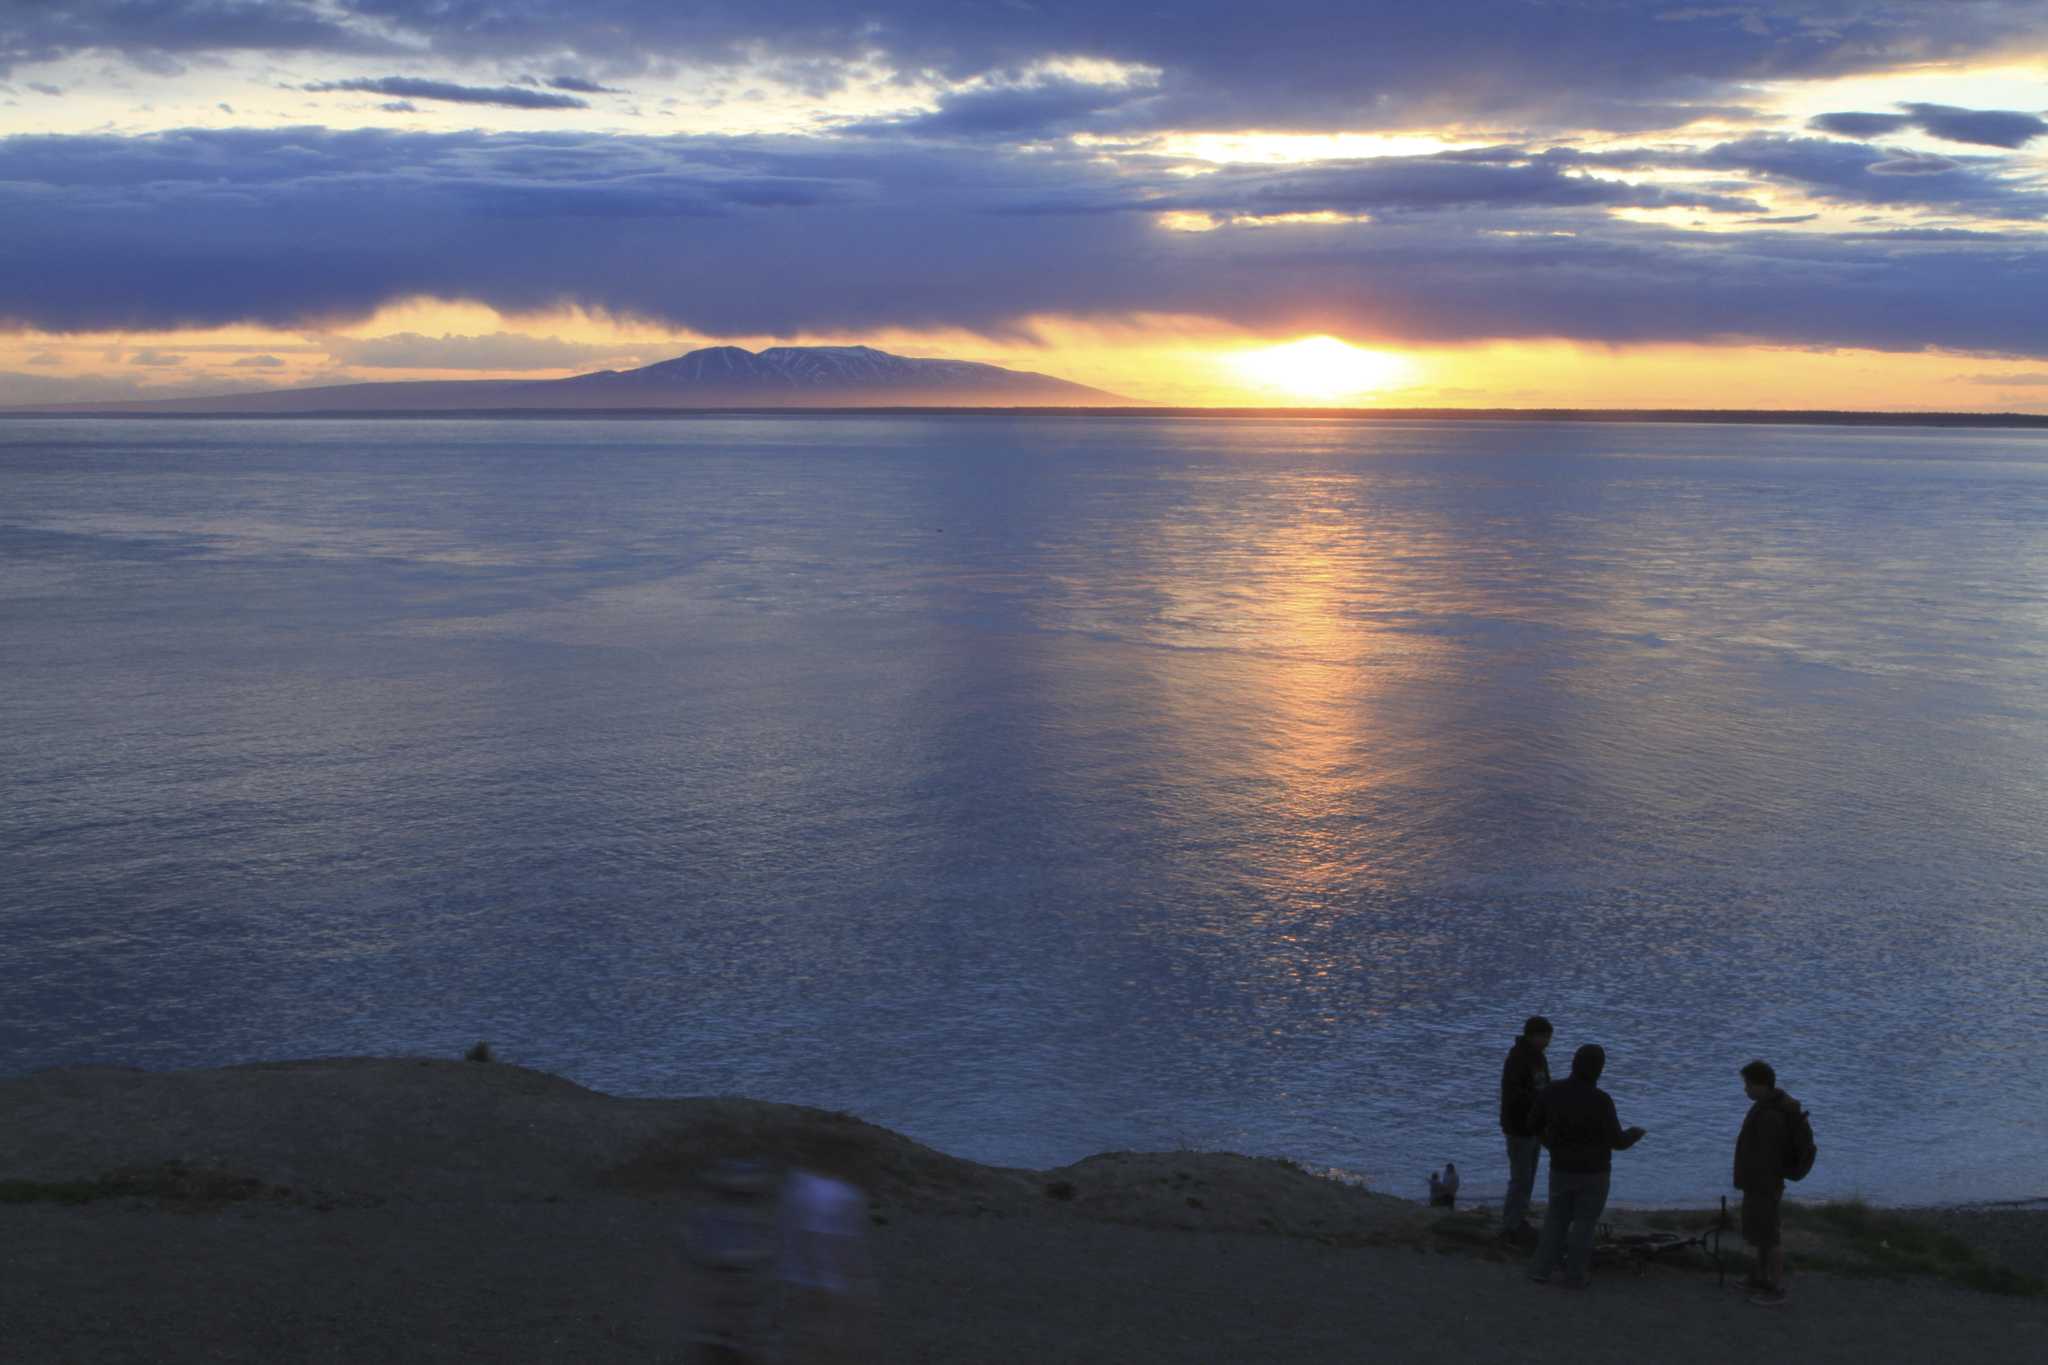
[[829, 376], [715, 377]]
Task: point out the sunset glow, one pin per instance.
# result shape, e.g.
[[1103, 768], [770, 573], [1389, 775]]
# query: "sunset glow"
[[1299, 206], [1320, 370]]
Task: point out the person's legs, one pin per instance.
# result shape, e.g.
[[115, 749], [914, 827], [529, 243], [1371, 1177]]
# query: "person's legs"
[[1762, 1228], [1550, 1247], [1589, 1201], [1522, 1156]]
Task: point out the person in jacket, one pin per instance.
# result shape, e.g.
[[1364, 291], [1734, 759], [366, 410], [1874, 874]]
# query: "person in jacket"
[[1761, 1149], [1523, 1077], [1577, 1122]]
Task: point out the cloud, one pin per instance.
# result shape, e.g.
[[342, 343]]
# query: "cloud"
[[580, 86], [410, 88], [1913, 163], [497, 351], [1014, 112], [1859, 125], [150, 356], [153, 33], [1847, 172], [258, 362], [754, 236], [41, 89], [18, 390], [1982, 127], [44, 358], [1283, 64], [1414, 184], [2034, 380]]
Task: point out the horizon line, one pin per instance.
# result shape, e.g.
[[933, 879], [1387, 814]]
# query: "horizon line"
[[1715, 416]]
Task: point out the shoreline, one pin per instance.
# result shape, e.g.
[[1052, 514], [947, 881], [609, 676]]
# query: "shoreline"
[[434, 1210], [1332, 1176], [1686, 416], [68, 1101]]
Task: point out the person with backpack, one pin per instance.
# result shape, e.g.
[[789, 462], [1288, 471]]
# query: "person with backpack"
[[1523, 1077], [1775, 1145], [1577, 1121]]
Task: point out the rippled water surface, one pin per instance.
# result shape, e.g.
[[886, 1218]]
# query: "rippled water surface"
[[1044, 786]]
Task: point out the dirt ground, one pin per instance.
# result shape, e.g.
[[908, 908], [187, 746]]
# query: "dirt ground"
[[372, 1210]]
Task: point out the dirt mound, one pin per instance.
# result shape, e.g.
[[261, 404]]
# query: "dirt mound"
[[425, 1129], [416, 1128], [893, 1169], [350, 1129]]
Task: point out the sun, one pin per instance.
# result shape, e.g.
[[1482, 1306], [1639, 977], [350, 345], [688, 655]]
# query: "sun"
[[1319, 369]]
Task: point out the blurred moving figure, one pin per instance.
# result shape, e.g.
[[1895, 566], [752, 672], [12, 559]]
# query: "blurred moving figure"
[[730, 1248], [779, 1269], [828, 1277]]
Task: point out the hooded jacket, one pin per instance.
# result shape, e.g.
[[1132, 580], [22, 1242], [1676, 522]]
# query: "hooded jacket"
[[1576, 1118], [1522, 1078], [1764, 1143]]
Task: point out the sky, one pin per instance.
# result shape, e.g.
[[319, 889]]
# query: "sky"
[[1577, 203]]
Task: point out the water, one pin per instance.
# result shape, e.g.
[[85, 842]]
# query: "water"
[[1045, 786]]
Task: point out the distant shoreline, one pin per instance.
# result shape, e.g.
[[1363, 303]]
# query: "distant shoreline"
[[1695, 416]]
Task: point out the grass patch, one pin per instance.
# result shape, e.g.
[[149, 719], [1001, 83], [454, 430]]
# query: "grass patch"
[[1686, 1222], [172, 1181], [65, 1191], [1861, 1240]]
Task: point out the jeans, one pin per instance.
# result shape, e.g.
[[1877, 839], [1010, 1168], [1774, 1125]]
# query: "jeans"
[[1523, 1154], [1577, 1199]]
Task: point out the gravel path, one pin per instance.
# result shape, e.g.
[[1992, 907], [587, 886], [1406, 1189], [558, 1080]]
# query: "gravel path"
[[594, 1280]]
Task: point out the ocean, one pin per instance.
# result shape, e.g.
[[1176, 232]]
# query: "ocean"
[[1040, 786]]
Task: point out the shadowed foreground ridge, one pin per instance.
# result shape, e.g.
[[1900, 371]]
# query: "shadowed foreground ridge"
[[362, 1209]]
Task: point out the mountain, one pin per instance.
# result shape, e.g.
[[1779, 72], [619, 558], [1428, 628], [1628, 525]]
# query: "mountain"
[[716, 377]]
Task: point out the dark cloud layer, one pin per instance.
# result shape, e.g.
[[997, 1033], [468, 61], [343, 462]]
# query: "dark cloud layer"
[[151, 31], [408, 88], [763, 235], [497, 352], [1983, 127], [1018, 112], [1410, 184], [1845, 172], [1285, 63], [579, 85]]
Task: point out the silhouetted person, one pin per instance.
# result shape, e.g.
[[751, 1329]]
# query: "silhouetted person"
[[1523, 1077], [1577, 1121], [1443, 1189], [1763, 1151]]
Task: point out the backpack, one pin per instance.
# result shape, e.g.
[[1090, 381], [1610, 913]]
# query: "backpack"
[[1800, 1149]]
